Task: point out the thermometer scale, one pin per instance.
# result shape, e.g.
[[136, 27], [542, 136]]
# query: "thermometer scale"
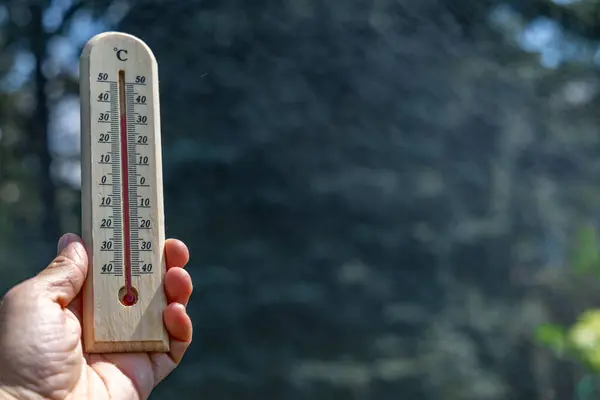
[[122, 199]]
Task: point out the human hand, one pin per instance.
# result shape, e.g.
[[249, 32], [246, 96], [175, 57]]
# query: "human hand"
[[41, 354]]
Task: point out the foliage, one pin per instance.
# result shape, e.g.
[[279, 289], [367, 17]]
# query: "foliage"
[[580, 340]]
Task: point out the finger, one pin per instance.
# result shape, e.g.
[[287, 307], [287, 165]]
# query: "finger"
[[179, 326], [178, 286], [176, 253], [63, 278], [76, 307]]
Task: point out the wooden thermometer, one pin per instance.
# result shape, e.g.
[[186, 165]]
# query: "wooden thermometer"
[[122, 199]]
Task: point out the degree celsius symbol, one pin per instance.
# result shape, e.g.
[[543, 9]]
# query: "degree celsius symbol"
[[121, 54]]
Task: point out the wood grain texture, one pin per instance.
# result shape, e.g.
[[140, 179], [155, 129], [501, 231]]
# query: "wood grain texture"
[[109, 325]]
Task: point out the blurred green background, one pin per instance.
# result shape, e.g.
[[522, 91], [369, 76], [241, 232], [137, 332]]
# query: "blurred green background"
[[385, 199]]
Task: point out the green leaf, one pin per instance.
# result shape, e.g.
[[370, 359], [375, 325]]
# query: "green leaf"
[[586, 256], [552, 336]]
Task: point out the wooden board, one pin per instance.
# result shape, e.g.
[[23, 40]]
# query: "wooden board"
[[119, 73]]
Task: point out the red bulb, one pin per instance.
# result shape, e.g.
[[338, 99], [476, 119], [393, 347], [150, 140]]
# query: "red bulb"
[[128, 300]]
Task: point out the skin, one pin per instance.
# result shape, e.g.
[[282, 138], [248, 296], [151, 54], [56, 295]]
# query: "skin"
[[41, 354]]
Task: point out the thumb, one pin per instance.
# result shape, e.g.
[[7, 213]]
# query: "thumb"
[[63, 278]]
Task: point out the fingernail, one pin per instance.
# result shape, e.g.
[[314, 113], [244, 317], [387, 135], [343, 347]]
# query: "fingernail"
[[64, 242]]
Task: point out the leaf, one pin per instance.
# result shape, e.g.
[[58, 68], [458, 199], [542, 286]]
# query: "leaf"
[[552, 336], [585, 334], [586, 255]]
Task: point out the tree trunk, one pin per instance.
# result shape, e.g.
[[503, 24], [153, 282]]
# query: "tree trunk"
[[41, 118]]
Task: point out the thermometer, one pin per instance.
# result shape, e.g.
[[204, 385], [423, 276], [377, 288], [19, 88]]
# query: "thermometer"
[[122, 199]]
